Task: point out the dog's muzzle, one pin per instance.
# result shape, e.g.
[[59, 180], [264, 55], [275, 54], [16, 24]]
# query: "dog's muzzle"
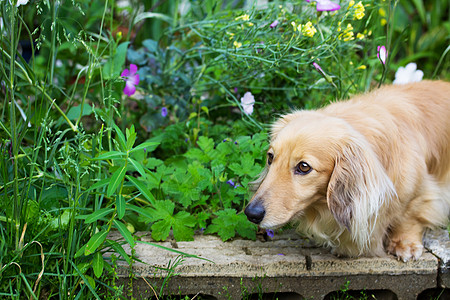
[[255, 212]]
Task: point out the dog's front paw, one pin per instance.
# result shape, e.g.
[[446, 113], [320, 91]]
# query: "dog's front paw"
[[405, 250]]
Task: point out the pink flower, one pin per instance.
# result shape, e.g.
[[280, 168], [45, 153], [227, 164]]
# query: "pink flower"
[[274, 24], [382, 54], [131, 80], [325, 75], [247, 103], [318, 68], [326, 5]]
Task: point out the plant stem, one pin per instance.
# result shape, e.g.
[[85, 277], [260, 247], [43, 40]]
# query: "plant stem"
[[14, 134]]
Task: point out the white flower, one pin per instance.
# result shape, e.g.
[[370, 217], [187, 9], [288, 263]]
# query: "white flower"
[[408, 74], [247, 103], [21, 2]]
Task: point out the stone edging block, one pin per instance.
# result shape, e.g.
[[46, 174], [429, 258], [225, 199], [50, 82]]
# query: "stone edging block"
[[286, 263]]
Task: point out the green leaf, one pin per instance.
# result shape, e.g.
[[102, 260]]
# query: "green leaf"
[[99, 184], [114, 66], [74, 111], [97, 264], [87, 279], [225, 224], [197, 154], [91, 281], [206, 144], [142, 188], [143, 213], [116, 180], [119, 249], [173, 250], [137, 166], [131, 137], [181, 226], [120, 137], [421, 9], [109, 155], [150, 45], [150, 145], [161, 230], [120, 206], [98, 214], [205, 109], [52, 196], [245, 228], [125, 232], [80, 251], [164, 209], [151, 15], [61, 221], [181, 223], [95, 241], [32, 212], [228, 223]]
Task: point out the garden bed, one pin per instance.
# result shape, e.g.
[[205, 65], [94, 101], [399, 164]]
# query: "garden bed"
[[153, 116]]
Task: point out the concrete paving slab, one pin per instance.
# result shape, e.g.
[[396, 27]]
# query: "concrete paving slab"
[[438, 242], [285, 264]]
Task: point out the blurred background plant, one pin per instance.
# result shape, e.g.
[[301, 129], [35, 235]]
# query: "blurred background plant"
[[153, 115]]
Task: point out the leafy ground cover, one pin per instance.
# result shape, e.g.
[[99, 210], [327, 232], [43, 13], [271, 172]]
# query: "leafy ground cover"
[[154, 115]]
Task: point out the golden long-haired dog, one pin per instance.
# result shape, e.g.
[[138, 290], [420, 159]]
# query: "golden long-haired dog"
[[364, 175]]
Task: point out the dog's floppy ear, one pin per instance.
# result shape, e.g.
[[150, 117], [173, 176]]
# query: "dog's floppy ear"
[[358, 187]]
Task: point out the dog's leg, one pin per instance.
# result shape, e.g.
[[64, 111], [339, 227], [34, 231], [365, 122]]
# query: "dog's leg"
[[405, 240], [425, 210]]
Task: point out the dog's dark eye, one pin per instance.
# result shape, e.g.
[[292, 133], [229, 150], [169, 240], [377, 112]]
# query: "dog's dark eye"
[[269, 158], [303, 168]]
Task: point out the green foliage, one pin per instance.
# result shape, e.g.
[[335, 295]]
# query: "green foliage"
[[228, 223], [205, 179]]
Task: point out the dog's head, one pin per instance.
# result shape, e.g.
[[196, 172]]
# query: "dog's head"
[[319, 161]]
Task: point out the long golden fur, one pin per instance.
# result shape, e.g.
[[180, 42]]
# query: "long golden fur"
[[362, 176]]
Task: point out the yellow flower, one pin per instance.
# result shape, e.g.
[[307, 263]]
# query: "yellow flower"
[[294, 26], [368, 33], [250, 24], [243, 18], [347, 34], [230, 34], [359, 12], [360, 36], [382, 13], [351, 3], [237, 44], [308, 29], [361, 67]]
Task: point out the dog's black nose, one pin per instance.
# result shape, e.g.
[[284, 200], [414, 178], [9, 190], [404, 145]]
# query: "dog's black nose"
[[255, 212]]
